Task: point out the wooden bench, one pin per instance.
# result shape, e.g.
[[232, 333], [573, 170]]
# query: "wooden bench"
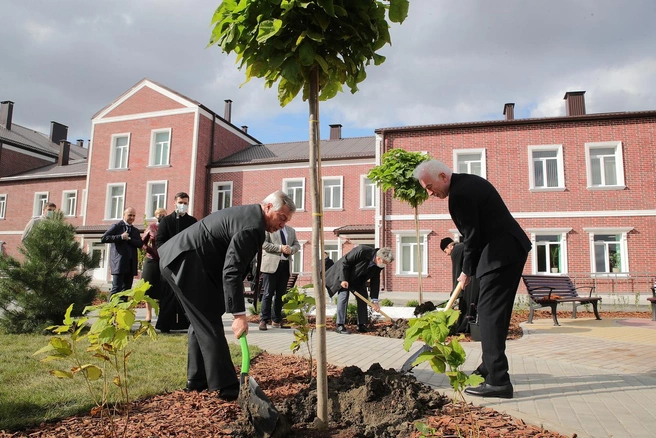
[[250, 295], [652, 300], [551, 290]]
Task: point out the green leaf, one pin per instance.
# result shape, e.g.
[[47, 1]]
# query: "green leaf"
[[267, 29], [92, 372], [67, 316], [125, 319], [327, 5], [62, 374], [398, 10]]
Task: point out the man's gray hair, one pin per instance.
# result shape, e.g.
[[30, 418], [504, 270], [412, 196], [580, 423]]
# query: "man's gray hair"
[[385, 255], [279, 199], [431, 167]]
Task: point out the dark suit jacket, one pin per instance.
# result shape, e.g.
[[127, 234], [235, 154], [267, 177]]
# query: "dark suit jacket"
[[492, 237], [354, 268], [224, 244], [170, 225], [123, 253]]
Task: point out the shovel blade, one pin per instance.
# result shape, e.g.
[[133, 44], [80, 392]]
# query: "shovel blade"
[[407, 366], [262, 414]]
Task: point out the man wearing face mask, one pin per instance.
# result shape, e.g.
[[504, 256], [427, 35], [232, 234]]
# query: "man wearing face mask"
[[171, 313], [48, 210], [352, 272]]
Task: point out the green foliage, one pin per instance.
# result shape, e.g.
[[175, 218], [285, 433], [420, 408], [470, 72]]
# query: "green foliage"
[[107, 356], [252, 311], [35, 292], [615, 260], [298, 305], [412, 303], [284, 40], [386, 302], [433, 328], [351, 314]]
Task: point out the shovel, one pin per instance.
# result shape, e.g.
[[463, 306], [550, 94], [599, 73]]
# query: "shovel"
[[261, 412], [407, 365], [370, 304]]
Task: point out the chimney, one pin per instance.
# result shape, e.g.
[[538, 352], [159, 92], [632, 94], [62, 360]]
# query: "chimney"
[[336, 132], [228, 110], [58, 132], [64, 152], [6, 112], [80, 142], [575, 103], [245, 129], [509, 111]]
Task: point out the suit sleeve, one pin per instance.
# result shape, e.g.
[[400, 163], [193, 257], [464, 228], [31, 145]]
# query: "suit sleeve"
[[295, 245], [111, 235], [374, 285], [241, 251], [163, 233], [465, 209], [135, 238], [269, 246], [350, 260]]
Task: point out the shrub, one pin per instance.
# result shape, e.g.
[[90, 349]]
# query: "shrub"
[[412, 303], [386, 302]]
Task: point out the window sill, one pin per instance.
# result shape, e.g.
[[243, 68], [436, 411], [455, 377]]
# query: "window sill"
[[158, 166], [333, 209], [610, 275], [410, 275], [546, 189], [595, 188], [118, 169], [367, 208]]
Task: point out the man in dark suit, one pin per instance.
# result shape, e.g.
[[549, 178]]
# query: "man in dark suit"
[[125, 239], [352, 272], [206, 265], [171, 314], [495, 251], [468, 299]]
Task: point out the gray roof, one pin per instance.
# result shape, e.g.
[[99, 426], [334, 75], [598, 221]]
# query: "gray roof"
[[35, 141], [54, 170], [358, 147]]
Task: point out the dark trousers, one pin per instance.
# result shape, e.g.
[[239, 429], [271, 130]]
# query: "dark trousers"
[[120, 283], [342, 305], [495, 304], [275, 286], [208, 354]]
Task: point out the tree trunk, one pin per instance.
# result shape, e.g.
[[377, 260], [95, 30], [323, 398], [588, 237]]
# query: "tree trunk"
[[317, 251], [419, 261]]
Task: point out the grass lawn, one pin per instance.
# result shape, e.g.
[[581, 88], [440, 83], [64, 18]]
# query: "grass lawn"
[[29, 394]]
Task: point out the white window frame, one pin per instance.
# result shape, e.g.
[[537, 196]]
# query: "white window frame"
[[3, 206], [297, 259], [558, 148], [153, 149], [423, 237], [84, 202], [481, 151], [562, 243], [300, 206], [150, 211], [624, 250], [341, 190], [112, 151], [215, 194], [64, 204], [337, 252], [619, 165], [108, 201], [40, 200], [364, 188]]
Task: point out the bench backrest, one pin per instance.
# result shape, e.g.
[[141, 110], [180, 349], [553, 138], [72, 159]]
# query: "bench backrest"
[[539, 286]]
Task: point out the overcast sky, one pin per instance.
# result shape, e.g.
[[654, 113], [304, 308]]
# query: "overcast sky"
[[451, 61]]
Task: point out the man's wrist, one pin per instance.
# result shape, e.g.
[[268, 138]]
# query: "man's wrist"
[[374, 300]]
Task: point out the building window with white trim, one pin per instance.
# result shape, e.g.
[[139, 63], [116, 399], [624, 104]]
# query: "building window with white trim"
[[471, 161], [40, 201], [332, 192], [332, 248], [295, 188], [297, 260], [115, 202], [222, 195], [3, 206], [69, 203], [160, 147], [119, 151], [609, 250], [156, 197], [605, 165], [406, 252], [367, 192], [545, 163]]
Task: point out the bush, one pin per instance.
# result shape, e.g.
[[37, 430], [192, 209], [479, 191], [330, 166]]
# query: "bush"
[[386, 303], [351, 314], [412, 303], [36, 292]]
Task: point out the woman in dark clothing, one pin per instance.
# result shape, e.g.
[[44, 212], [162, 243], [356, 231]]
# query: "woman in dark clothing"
[[150, 271]]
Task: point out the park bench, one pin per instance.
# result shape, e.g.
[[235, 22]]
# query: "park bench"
[[652, 300], [551, 290], [250, 295]]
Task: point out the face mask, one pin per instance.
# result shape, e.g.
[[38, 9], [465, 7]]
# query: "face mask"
[[50, 213], [381, 265], [181, 208]]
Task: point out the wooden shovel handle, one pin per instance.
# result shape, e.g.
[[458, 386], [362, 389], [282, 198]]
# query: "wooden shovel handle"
[[370, 304], [454, 296]]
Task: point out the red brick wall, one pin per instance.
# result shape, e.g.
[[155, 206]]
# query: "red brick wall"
[[13, 163], [144, 101]]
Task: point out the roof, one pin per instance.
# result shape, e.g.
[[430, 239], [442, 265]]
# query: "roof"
[[355, 229], [31, 140], [357, 147], [74, 168]]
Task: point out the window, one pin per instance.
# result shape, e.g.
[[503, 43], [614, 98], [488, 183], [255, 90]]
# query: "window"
[[115, 201], [40, 200], [3, 206], [605, 168], [69, 203], [118, 158], [160, 143], [332, 192], [609, 252], [367, 192], [297, 259], [406, 252], [470, 161], [295, 188], [156, 197], [332, 249], [222, 195], [546, 167]]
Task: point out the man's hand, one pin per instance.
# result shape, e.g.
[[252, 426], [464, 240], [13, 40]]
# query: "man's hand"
[[344, 284], [125, 236], [286, 249], [464, 279], [376, 306], [240, 326]]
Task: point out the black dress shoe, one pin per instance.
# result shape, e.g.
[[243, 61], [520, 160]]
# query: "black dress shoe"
[[231, 393], [194, 385], [487, 390], [362, 328], [342, 330]]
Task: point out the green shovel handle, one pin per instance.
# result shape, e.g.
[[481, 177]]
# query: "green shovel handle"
[[245, 355]]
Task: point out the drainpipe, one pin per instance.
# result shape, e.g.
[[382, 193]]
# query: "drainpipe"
[[208, 173]]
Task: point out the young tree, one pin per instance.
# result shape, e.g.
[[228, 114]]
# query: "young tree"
[[313, 46], [36, 292], [395, 173]]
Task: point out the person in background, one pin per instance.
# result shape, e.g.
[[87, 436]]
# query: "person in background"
[[125, 240], [48, 210], [469, 296], [171, 313], [328, 262], [495, 251], [150, 271]]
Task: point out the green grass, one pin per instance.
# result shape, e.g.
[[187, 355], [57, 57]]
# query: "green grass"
[[29, 395]]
